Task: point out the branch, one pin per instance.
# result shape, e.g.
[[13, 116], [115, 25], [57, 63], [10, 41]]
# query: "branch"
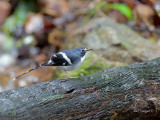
[[130, 92]]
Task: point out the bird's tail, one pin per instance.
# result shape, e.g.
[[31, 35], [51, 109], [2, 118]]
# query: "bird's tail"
[[44, 64]]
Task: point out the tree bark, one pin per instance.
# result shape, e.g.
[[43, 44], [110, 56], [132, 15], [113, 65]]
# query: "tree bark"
[[124, 93]]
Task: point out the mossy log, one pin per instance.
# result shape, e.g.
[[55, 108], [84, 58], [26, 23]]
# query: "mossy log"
[[124, 93]]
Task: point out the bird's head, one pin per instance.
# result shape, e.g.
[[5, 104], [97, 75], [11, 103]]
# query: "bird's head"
[[82, 50]]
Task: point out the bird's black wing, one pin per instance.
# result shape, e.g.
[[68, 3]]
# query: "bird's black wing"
[[58, 60]]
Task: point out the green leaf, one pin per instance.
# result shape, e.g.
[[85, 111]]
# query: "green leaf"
[[9, 25], [124, 9], [94, 10], [18, 18], [8, 43]]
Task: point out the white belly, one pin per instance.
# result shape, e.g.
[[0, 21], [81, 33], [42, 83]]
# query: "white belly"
[[72, 67]]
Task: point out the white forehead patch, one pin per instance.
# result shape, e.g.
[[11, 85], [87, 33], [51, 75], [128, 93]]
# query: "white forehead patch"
[[64, 63], [55, 55]]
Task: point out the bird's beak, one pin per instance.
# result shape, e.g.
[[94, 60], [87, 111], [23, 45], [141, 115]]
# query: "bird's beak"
[[87, 50]]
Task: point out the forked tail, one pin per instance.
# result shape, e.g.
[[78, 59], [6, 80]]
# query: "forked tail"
[[46, 63]]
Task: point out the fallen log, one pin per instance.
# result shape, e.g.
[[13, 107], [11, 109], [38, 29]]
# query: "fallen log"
[[124, 93]]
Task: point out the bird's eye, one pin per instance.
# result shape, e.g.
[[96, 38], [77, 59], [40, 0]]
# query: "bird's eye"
[[82, 50]]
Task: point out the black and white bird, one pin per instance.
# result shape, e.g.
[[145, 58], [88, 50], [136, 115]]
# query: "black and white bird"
[[66, 60]]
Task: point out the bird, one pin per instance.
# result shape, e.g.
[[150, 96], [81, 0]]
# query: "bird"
[[67, 60]]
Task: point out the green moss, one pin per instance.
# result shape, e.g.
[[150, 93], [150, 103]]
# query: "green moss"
[[105, 76], [53, 97]]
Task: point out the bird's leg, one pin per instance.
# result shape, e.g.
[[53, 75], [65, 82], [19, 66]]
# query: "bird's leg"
[[66, 74]]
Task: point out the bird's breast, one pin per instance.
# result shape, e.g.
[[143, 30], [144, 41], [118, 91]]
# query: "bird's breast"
[[73, 66]]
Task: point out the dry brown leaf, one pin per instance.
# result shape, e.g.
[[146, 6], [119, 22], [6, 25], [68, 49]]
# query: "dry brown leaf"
[[55, 38], [145, 15], [5, 8], [54, 8]]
